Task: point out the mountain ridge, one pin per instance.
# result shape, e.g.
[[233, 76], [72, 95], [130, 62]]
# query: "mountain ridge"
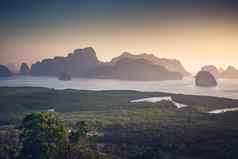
[[135, 69], [172, 65], [84, 63], [229, 73]]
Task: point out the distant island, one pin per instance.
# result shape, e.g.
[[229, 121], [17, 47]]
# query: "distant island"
[[142, 67], [230, 73], [172, 65], [24, 69], [4, 71], [205, 79], [84, 63], [64, 77]]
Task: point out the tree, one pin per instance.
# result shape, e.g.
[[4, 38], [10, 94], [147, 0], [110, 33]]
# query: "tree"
[[9, 144], [44, 136], [78, 132]]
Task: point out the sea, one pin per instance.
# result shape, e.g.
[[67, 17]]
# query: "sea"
[[227, 88]]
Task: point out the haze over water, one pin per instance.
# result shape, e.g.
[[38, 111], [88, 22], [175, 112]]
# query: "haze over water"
[[226, 87]]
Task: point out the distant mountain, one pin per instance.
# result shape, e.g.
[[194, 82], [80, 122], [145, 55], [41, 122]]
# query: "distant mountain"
[[84, 63], [212, 69], [24, 69], [221, 70], [77, 63], [134, 69], [4, 71], [170, 64], [230, 72]]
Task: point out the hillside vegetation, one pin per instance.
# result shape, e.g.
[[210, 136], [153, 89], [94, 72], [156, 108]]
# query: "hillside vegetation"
[[134, 130]]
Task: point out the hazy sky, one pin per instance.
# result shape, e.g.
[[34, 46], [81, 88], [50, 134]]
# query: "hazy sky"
[[196, 32]]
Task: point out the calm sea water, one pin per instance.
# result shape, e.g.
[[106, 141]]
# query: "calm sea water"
[[226, 88]]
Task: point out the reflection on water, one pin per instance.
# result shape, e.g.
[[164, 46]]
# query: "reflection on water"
[[226, 88], [151, 99], [219, 111], [159, 99]]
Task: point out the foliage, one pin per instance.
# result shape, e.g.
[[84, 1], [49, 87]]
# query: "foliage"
[[44, 136], [79, 131], [75, 151], [133, 130], [8, 151], [9, 144]]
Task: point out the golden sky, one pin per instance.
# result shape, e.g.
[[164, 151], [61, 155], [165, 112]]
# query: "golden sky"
[[194, 43]]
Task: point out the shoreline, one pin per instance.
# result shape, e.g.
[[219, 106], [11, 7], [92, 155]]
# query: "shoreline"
[[116, 90], [225, 89]]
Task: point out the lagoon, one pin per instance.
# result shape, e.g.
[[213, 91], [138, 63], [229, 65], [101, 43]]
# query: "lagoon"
[[226, 87]]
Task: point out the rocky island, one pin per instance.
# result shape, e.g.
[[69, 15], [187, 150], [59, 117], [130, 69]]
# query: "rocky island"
[[4, 71], [171, 65], [231, 72], [211, 69], [205, 79], [64, 77], [135, 69], [84, 63], [24, 69]]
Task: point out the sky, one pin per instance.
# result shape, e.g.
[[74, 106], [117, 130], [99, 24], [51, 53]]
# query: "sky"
[[196, 32]]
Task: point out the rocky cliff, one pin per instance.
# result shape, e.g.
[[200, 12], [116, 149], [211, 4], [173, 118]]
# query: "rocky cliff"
[[170, 64], [212, 69], [4, 71], [135, 69], [24, 69], [77, 63], [84, 63], [230, 72], [205, 79]]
